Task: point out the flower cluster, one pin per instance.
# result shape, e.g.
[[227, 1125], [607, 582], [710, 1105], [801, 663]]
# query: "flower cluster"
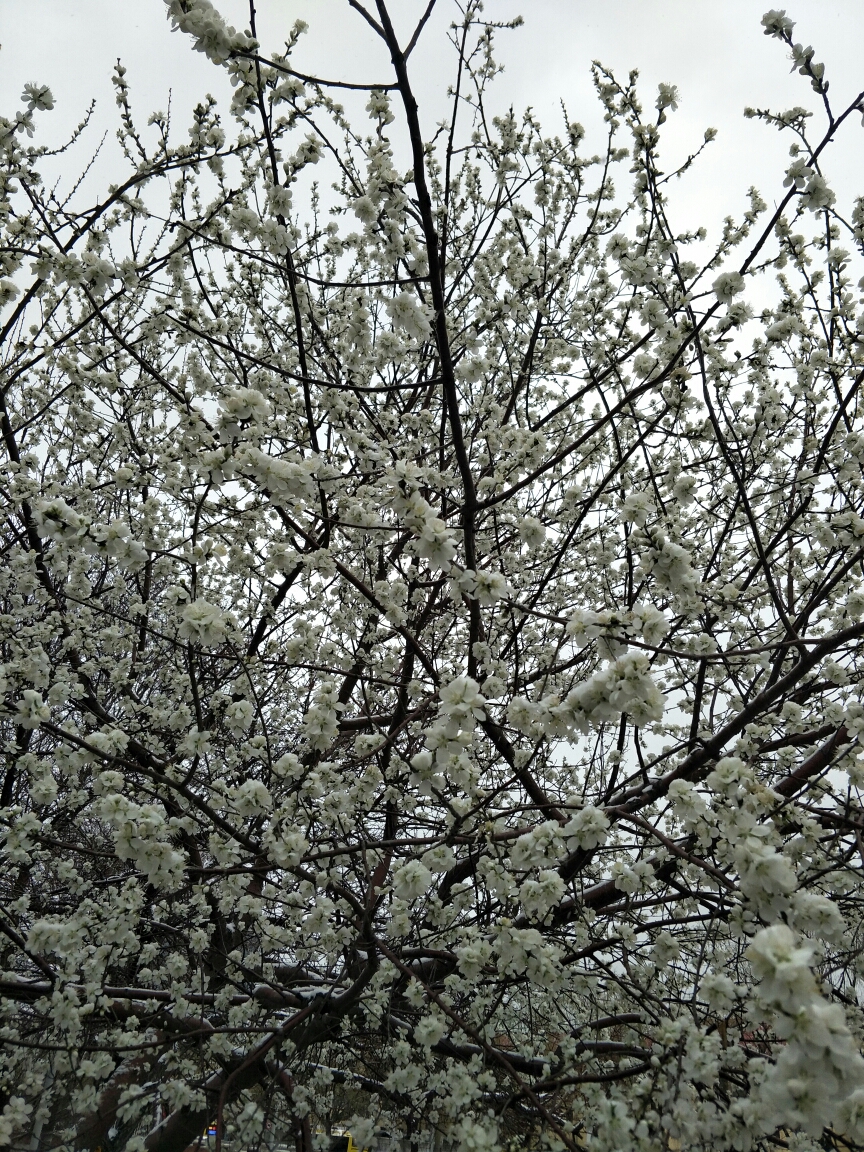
[[625, 685], [818, 1077], [209, 32], [435, 542]]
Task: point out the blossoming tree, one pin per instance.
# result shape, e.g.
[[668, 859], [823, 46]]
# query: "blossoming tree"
[[431, 627]]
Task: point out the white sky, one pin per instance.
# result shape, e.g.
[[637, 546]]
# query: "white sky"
[[715, 53]]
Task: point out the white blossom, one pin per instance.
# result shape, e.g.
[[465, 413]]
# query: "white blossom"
[[251, 798], [637, 507], [365, 210], [538, 896], [411, 880], [241, 406], [667, 97], [532, 531], [407, 314], [57, 520], [211, 35], [819, 1067], [727, 286], [31, 709], [13, 1118], [817, 195], [204, 624], [38, 96], [777, 23], [587, 828]]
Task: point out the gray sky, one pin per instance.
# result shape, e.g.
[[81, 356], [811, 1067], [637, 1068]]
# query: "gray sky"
[[715, 53]]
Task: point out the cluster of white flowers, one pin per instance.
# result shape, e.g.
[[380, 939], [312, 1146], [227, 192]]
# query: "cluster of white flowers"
[[777, 23], [408, 315], [524, 950], [669, 563], [284, 478], [637, 507], [115, 540], [285, 846], [411, 881], [57, 520], [485, 586], [461, 705], [251, 798], [242, 406], [727, 286], [549, 842], [31, 710], [817, 1079], [209, 32], [204, 623], [667, 97], [817, 195], [623, 685], [767, 877], [435, 541], [61, 523], [474, 1135], [141, 834], [15, 1114], [632, 878], [321, 721], [611, 629]]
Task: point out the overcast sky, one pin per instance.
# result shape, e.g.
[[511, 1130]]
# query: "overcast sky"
[[715, 53]]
